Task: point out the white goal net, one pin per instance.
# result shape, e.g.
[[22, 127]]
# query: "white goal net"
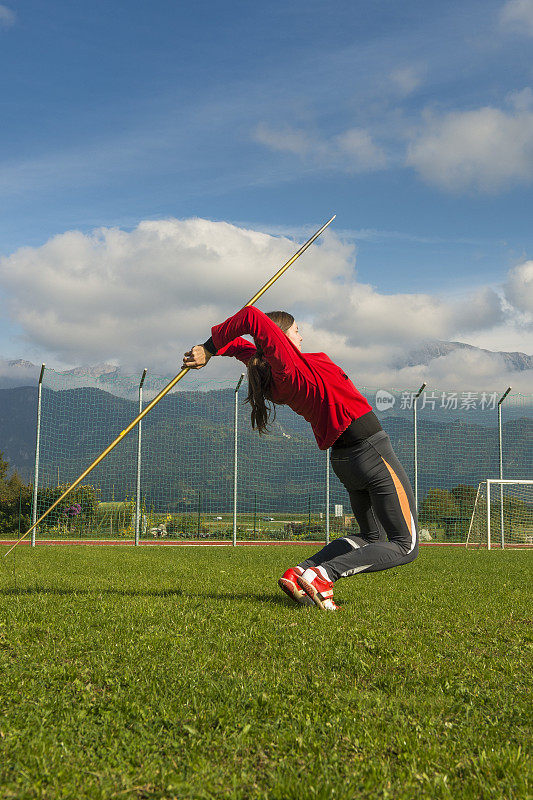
[[502, 515]]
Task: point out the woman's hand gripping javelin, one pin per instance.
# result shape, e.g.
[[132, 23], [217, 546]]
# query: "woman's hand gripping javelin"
[[197, 357]]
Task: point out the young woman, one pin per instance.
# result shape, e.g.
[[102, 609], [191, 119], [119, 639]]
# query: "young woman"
[[341, 418]]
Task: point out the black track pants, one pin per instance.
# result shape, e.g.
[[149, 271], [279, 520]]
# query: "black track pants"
[[384, 506]]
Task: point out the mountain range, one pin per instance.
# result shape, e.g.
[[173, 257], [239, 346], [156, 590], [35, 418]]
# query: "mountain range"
[[19, 372], [424, 354], [188, 447]]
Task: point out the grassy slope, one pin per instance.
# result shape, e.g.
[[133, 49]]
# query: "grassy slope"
[[162, 673]]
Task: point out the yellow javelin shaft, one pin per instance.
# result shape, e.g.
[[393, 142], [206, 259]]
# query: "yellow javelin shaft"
[[166, 390], [286, 266]]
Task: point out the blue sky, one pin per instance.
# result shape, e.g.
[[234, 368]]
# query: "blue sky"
[[274, 116]]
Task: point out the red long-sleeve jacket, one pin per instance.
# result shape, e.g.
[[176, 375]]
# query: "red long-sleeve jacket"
[[310, 383]]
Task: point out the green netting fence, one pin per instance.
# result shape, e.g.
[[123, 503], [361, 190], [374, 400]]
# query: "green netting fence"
[[187, 463]]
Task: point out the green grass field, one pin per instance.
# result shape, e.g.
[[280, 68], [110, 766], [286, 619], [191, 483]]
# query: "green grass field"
[[186, 673]]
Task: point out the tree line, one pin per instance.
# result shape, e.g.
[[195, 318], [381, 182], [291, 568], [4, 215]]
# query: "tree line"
[[449, 510], [15, 500]]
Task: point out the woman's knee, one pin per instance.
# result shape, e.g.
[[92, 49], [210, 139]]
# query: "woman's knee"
[[411, 554]]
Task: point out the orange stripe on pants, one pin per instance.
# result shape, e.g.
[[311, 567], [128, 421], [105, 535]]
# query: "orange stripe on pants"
[[402, 497]]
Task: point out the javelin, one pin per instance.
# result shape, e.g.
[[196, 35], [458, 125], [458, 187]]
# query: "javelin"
[[167, 389]]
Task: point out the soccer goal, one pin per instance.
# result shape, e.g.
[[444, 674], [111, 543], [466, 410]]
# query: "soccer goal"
[[502, 515]]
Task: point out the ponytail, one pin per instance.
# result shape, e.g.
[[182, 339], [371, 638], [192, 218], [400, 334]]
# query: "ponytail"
[[260, 379]]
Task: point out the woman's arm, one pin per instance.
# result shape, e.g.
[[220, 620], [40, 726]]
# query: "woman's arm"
[[239, 348], [282, 355], [201, 353]]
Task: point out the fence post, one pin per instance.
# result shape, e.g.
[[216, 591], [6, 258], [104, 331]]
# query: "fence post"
[[236, 420], [327, 495], [415, 441], [20, 510], [37, 447], [139, 454], [488, 514], [199, 513], [500, 401]]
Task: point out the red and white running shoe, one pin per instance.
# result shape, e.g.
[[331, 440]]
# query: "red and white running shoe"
[[318, 587], [288, 582]]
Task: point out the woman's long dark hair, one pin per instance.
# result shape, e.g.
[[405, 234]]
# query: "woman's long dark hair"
[[260, 379]]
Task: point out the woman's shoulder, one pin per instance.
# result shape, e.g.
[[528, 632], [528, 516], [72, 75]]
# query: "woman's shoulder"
[[318, 357], [322, 362]]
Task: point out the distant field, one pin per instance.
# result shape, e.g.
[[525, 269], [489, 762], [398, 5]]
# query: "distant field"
[[212, 525], [185, 673], [287, 525], [290, 526]]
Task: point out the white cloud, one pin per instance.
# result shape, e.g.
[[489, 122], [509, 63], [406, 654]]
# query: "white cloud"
[[506, 337], [362, 153], [485, 149], [400, 320], [467, 371], [286, 140], [519, 290], [141, 298], [406, 79], [521, 100], [352, 150], [7, 17], [517, 15]]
